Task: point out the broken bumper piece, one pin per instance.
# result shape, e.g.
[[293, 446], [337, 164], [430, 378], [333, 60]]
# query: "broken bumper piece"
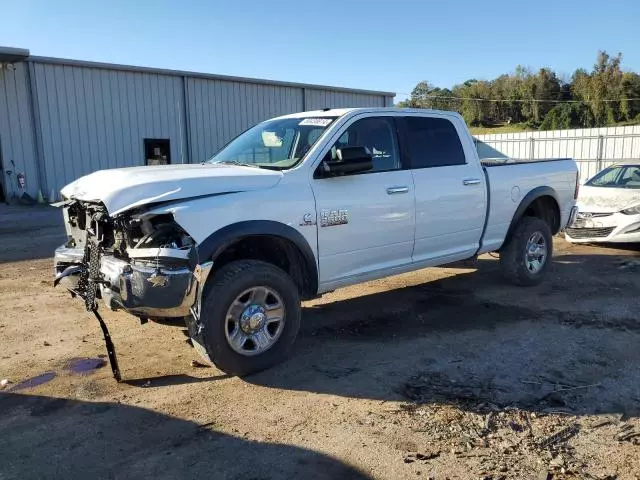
[[66, 261], [142, 288]]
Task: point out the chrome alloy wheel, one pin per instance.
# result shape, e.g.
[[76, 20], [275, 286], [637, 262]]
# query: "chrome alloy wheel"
[[536, 252], [255, 321]]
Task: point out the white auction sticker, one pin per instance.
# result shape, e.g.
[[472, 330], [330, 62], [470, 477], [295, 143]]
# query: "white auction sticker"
[[316, 122]]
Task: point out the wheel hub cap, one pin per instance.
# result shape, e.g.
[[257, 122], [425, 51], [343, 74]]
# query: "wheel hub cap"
[[255, 320], [536, 252], [252, 319]]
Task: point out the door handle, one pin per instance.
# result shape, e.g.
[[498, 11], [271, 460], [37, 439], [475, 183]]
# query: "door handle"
[[394, 190], [471, 181]]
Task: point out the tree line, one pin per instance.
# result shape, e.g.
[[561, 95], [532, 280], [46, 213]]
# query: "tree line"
[[606, 95]]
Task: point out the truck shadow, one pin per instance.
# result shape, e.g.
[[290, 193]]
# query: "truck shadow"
[[168, 380], [44, 437], [471, 339]]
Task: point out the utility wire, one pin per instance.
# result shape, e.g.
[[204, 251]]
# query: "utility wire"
[[519, 100]]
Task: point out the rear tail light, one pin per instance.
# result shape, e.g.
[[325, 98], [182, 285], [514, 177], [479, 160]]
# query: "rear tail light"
[[575, 194]]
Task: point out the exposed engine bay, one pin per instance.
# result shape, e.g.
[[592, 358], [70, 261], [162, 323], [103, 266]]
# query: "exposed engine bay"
[[125, 259], [144, 264]]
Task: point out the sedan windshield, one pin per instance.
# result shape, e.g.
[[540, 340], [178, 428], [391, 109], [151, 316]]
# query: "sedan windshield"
[[276, 144], [622, 176]]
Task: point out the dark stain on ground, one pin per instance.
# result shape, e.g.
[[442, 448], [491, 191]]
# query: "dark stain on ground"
[[34, 381], [84, 366]]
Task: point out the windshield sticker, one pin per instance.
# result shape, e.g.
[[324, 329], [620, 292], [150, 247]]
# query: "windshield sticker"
[[316, 122]]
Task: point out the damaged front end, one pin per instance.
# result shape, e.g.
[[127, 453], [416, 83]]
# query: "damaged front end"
[[144, 264]]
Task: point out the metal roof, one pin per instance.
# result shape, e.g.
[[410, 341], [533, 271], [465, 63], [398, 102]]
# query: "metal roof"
[[181, 73], [13, 55]]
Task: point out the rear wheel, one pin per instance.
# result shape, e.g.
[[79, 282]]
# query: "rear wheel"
[[251, 316], [525, 257]]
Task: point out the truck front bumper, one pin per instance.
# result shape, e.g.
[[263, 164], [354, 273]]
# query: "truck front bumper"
[[159, 290]]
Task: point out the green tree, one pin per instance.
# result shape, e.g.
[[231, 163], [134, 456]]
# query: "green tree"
[[425, 95], [602, 89], [474, 101], [539, 92], [604, 96], [567, 115], [629, 104], [508, 89]]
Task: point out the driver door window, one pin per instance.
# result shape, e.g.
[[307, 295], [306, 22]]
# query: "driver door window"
[[377, 135]]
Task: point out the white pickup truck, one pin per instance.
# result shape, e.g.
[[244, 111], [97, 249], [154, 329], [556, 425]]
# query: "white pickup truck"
[[298, 206]]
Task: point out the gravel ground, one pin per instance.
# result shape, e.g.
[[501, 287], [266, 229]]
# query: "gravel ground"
[[442, 373]]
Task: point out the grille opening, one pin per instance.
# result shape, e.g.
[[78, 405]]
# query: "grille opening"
[[593, 215], [579, 233]]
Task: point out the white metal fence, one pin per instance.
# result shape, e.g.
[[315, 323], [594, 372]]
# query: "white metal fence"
[[592, 148]]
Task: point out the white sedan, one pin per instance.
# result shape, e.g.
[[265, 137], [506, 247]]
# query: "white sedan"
[[609, 207]]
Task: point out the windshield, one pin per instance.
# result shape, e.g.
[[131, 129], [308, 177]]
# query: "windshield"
[[624, 176], [276, 144]]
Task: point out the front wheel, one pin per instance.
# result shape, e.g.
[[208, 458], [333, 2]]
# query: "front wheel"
[[251, 316], [526, 256]]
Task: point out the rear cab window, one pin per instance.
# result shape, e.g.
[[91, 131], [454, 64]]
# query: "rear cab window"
[[431, 142]]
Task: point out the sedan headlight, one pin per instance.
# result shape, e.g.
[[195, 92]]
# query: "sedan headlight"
[[631, 210]]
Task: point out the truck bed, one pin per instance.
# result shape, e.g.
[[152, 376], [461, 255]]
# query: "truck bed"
[[508, 186]]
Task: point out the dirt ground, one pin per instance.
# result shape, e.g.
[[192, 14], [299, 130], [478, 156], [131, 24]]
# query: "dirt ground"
[[441, 373]]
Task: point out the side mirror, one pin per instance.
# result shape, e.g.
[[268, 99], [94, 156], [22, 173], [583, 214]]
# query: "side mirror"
[[348, 160]]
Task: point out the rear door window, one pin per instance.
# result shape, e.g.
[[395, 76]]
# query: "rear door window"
[[431, 142]]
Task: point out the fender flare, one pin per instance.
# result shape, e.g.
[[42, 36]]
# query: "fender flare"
[[212, 246], [528, 199]]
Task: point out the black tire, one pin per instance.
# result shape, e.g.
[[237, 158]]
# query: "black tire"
[[513, 253], [221, 290]]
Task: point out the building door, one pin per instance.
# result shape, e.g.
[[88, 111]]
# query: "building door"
[[157, 151]]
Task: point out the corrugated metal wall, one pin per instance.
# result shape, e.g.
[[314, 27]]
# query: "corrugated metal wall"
[[17, 138], [592, 148], [92, 119], [318, 99], [220, 110], [89, 116]]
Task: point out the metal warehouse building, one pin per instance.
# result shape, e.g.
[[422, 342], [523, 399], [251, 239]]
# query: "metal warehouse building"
[[60, 119]]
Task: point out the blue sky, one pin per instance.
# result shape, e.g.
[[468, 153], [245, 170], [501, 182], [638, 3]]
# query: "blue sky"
[[381, 45]]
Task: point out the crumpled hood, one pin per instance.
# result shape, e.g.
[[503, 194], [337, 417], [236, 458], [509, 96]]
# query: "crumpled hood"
[[122, 189], [607, 199]]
